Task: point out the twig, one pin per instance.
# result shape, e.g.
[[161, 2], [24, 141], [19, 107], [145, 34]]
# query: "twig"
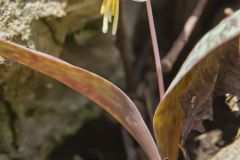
[[182, 39], [128, 144], [149, 104], [155, 48], [124, 45], [140, 62]]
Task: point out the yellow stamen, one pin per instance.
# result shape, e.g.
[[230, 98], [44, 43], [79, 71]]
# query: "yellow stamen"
[[116, 15], [110, 8], [113, 7], [102, 9], [106, 16]]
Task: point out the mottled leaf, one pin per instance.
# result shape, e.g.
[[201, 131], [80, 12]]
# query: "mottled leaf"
[[99, 90], [212, 68]]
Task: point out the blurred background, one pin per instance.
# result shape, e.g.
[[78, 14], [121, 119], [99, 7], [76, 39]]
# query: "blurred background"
[[41, 119]]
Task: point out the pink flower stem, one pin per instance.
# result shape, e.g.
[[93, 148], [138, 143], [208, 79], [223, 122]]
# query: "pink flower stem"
[[155, 48]]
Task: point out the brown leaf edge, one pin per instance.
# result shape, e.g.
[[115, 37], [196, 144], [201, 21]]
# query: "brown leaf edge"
[[96, 88], [169, 116]]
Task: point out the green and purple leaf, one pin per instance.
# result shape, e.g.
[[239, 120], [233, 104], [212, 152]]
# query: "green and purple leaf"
[[99, 90], [212, 67]]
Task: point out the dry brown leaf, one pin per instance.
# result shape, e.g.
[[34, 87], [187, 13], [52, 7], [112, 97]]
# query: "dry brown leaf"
[[212, 68]]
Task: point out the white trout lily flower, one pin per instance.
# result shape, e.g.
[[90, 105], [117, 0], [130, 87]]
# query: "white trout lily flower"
[[109, 9]]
